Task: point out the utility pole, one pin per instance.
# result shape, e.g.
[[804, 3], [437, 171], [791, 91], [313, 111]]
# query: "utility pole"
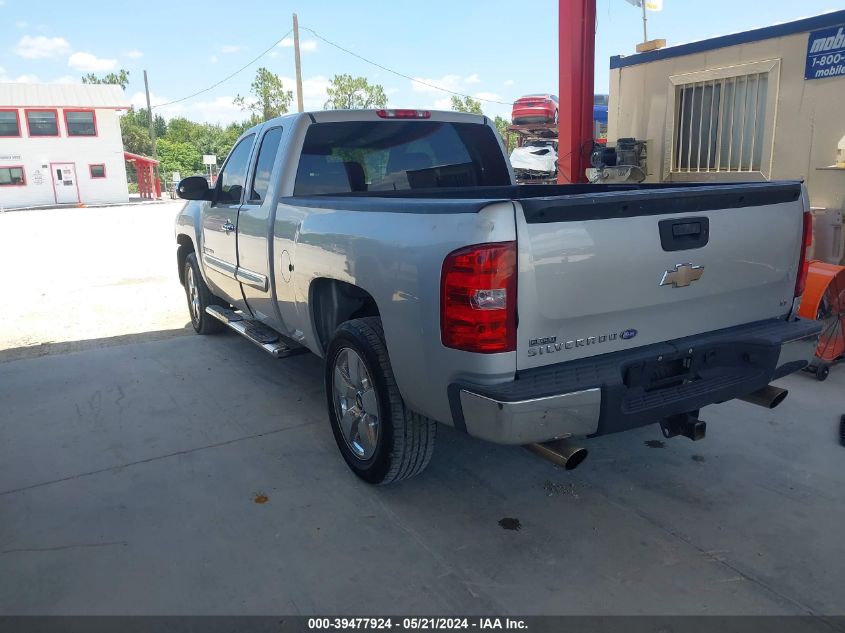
[[299, 105], [645, 20], [152, 130]]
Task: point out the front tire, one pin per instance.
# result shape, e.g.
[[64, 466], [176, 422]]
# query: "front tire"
[[380, 439], [199, 298]]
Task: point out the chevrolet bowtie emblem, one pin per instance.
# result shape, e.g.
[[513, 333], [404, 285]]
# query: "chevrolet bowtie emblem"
[[682, 275]]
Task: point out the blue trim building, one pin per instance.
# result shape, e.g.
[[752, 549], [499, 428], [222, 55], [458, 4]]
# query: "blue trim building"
[[764, 104], [834, 18]]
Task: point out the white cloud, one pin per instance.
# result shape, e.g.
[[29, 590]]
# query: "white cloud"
[[213, 59], [487, 96], [306, 46], [507, 82], [67, 79], [314, 93], [40, 47], [230, 48], [21, 24], [443, 104], [217, 110], [472, 79], [135, 54], [425, 85], [86, 62], [20, 79], [221, 109]]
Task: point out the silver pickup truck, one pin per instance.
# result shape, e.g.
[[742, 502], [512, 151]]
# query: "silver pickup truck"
[[394, 245]]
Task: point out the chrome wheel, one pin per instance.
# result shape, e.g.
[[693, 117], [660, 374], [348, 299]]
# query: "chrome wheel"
[[193, 294], [356, 403]]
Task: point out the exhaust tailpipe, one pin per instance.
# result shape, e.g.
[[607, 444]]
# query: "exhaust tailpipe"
[[768, 397], [560, 452]]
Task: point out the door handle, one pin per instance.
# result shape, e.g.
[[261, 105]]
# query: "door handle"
[[228, 226]]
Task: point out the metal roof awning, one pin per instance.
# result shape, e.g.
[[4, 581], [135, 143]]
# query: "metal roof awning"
[[149, 186], [23, 95], [137, 158]]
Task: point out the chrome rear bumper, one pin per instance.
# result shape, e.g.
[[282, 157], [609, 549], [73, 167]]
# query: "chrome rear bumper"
[[534, 420], [615, 392]]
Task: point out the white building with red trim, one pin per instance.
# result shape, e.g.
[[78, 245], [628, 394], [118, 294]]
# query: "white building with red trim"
[[61, 144]]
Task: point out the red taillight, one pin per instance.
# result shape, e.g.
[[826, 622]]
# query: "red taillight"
[[404, 114], [478, 298], [803, 264]]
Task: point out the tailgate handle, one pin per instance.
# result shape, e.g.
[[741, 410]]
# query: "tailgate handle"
[[684, 234]]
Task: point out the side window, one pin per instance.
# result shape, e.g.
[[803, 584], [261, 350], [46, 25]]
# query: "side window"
[[230, 182], [264, 164]]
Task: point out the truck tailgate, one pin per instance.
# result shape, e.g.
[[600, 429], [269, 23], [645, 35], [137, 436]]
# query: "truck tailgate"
[[604, 272]]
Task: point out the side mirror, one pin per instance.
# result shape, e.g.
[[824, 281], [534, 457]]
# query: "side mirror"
[[194, 188]]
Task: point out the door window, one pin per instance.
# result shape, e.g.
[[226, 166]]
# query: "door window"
[[230, 182], [264, 164]]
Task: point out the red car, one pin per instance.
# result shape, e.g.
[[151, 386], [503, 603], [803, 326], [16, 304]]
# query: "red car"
[[541, 108]]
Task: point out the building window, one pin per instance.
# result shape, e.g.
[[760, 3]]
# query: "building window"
[[10, 124], [80, 123], [723, 121], [42, 122], [12, 177], [97, 171]]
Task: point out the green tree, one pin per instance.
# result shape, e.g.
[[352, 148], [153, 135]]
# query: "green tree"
[[467, 104], [207, 138], [269, 98], [135, 130], [121, 78], [354, 93], [502, 124], [141, 118], [177, 156]]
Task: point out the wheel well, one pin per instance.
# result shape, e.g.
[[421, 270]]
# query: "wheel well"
[[333, 302], [186, 246]]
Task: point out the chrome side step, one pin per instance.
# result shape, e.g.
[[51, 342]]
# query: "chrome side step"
[[266, 338]]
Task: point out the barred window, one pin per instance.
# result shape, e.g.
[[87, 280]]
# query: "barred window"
[[720, 122]]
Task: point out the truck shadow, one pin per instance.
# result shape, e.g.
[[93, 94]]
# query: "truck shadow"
[[65, 347]]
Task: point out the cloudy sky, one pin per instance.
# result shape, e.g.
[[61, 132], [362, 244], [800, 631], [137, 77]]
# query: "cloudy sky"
[[494, 50]]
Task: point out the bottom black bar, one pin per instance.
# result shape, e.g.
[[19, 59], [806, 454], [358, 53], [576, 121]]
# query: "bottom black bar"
[[533, 624]]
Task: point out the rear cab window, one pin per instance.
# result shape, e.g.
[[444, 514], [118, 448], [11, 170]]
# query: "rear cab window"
[[374, 156]]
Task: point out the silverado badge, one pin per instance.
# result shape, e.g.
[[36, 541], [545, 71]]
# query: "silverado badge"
[[682, 275]]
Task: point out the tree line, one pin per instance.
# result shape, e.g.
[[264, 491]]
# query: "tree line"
[[181, 143]]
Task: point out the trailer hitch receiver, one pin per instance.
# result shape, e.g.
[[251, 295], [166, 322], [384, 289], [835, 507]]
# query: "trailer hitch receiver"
[[686, 424]]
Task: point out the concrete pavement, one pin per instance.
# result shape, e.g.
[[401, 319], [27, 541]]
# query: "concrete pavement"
[[131, 463]]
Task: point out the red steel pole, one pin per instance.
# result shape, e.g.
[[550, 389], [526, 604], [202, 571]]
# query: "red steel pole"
[[577, 51]]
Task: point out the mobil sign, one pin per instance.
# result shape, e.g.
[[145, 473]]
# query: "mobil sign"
[[825, 53]]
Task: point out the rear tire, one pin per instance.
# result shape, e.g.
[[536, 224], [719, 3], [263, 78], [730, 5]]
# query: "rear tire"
[[380, 439], [199, 298]]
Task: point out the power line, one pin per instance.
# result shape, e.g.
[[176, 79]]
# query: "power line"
[[227, 77], [396, 72]]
